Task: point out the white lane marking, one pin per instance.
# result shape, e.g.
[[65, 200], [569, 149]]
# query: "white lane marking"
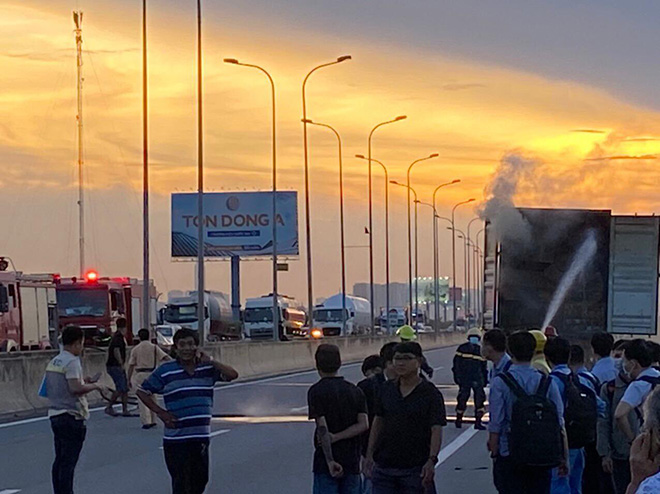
[[295, 410], [455, 445], [213, 434], [438, 368], [10, 491], [219, 388]]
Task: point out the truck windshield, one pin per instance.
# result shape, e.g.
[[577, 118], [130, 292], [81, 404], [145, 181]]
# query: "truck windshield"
[[259, 314], [180, 313], [327, 315], [83, 302]]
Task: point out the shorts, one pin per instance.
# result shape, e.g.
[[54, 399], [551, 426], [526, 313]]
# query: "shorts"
[[118, 375]]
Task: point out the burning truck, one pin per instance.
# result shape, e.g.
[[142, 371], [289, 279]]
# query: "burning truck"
[[581, 271]]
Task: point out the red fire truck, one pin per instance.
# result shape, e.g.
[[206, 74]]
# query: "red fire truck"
[[95, 303]]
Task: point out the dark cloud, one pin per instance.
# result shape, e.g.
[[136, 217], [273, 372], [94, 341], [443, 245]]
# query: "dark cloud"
[[589, 131], [641, 139]]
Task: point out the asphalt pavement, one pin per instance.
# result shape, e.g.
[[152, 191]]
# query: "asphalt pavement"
[[262, 443]]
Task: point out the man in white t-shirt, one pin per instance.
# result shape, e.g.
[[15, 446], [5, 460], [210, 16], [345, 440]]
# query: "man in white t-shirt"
[[65, 388]]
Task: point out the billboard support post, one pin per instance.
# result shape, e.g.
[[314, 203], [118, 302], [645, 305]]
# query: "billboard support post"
[[236, 288]]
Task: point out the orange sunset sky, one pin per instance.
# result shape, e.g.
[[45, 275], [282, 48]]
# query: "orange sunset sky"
[[567, 86]]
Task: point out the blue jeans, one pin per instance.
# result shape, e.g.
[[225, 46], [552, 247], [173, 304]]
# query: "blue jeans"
[[324, 483], [399, 481], [365, 485], [573, 483]]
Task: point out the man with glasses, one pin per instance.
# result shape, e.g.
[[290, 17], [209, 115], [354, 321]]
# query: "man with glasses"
[[406, 434]]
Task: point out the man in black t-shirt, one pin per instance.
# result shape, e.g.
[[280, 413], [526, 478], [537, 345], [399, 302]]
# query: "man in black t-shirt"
[[340, 411], [115, 367], [406, 434]]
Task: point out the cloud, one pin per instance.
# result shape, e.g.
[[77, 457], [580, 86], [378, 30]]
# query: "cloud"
[[589, 131], [623, 157]]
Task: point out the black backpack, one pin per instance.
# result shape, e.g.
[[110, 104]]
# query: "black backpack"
[[653, 381], [535, 436], [581, 411]]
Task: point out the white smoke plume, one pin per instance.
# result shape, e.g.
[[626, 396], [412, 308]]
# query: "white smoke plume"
[[499, 207]]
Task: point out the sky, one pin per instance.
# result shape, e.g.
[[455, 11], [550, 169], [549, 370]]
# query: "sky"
[[569, 85]]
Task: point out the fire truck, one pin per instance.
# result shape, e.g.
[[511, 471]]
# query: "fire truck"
[[95, 303], [28, 315]]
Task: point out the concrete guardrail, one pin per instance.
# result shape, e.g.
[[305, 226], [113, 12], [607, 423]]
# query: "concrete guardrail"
[[21, 373]]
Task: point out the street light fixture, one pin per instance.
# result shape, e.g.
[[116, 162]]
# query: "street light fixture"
[[453, 252], [371, 234], [276, 318], [341, 222], [387, 243], [308, 226]]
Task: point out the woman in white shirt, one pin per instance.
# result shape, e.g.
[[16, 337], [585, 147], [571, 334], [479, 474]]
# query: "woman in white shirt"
[[645, 450]]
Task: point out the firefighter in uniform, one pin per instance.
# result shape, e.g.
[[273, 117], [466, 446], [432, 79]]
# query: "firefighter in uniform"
[[471, 374]]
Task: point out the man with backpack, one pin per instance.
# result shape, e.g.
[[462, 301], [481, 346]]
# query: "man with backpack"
[[637, 361], [580, 414], [493, 349], [526, 430], [612, 444], [594, 480], [603, 369]]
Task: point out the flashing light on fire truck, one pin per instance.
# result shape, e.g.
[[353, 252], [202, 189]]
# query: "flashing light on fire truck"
[[91, 276]]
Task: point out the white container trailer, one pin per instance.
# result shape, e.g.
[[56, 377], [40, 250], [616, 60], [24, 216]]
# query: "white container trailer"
[[328, 316]]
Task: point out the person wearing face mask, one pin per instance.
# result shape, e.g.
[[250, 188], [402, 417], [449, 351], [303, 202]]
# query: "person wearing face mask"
[[471, 374], [612, 444], [637, 361]]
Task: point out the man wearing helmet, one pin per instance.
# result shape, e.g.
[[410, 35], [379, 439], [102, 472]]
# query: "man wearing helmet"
[[407, 333], [471, 374]]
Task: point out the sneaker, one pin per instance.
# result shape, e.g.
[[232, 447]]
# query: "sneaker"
[[459, 423], [148, 426], [110, 411], [479, 426]]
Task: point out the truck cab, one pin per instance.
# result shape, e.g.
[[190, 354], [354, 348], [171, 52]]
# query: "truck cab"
[[258, 317]]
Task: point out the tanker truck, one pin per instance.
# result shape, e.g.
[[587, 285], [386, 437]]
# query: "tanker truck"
[[219, 324], [328, 316]]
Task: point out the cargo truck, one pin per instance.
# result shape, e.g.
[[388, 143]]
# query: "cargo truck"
[[615, 290], [258, 317]]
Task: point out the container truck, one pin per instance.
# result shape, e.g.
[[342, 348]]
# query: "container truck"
[[615, 289], [219, 324], [258, 317], [328, 316]]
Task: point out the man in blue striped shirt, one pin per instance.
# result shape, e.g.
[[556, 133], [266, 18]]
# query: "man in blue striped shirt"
[[187, 388]]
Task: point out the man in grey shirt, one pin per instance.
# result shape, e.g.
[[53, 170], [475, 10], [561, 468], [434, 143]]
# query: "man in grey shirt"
[[65, 388]]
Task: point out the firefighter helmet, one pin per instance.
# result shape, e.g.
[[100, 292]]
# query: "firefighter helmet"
[[474, 332], [540, 338], [406, 333]]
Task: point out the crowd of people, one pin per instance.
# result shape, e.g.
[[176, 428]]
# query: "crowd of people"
[[553, 426], [556, 427]]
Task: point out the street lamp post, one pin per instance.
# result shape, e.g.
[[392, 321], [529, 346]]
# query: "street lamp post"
[[434, 213], [308, 227], [387, 244], [436, 246], [371, 231], [453, 253], [341, 222], [201, 313], [276, 311], [482, 266], [415, 200], [465, 275], [410, 167], [469, 296]]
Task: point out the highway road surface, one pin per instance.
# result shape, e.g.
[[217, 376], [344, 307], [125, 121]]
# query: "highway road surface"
[[262, 443]]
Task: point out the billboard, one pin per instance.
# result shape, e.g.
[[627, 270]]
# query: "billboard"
[[236, 224]]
